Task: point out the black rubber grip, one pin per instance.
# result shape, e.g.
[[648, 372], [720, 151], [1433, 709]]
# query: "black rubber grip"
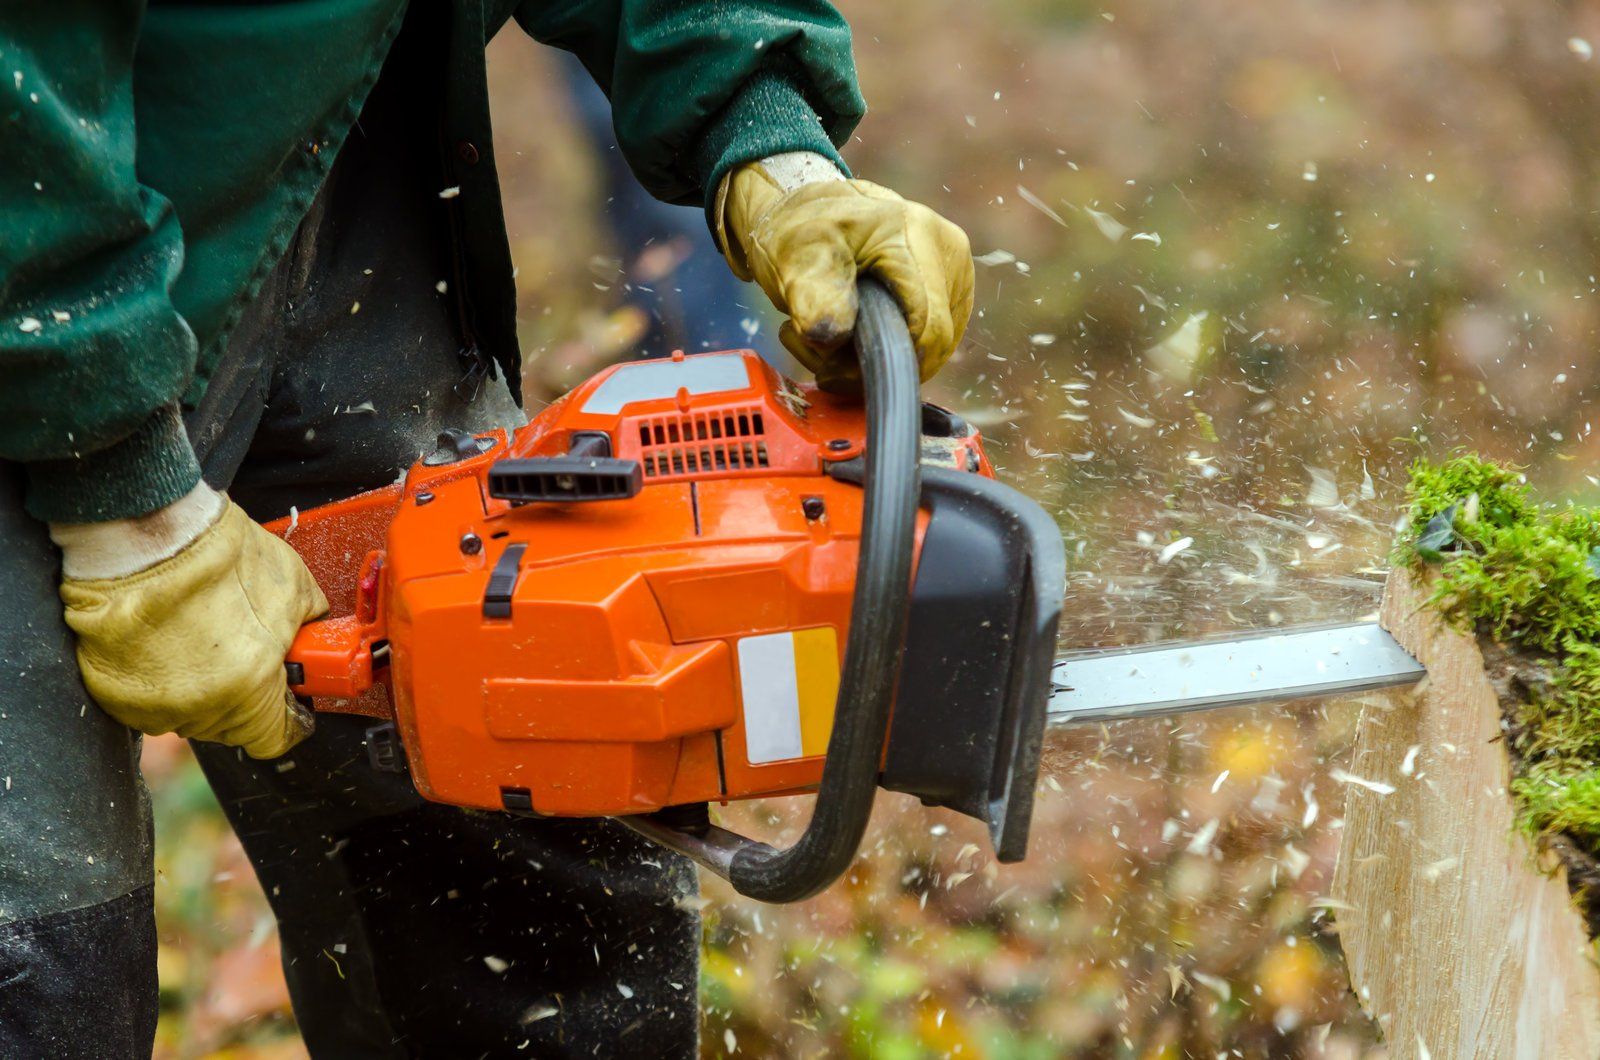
[[878, 620], [564, 479]]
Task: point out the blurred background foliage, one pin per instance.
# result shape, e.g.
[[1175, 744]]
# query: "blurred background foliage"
[[1239, 264]]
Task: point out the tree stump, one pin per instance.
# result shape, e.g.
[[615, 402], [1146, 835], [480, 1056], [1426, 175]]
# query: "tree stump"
[[1461, 940]]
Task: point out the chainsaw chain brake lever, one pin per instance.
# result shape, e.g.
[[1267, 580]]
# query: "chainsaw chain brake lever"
[[879, 613]]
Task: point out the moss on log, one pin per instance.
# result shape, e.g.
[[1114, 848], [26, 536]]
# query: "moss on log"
[[1468, 889], [1462, 940]]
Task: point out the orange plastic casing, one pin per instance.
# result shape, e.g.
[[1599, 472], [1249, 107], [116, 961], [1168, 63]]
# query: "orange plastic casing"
[[615, 685]]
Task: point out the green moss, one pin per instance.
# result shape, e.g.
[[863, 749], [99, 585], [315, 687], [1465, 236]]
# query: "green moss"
[[1563, 722], [1553, 799], [1529, 575]]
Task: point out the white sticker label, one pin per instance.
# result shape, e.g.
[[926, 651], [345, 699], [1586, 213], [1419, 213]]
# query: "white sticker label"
[[653, 380]]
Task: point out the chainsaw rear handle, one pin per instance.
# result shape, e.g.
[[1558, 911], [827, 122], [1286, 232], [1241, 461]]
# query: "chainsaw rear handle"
[[879, 612]]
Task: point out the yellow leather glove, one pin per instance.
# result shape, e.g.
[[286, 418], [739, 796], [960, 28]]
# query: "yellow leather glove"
[[804, 240], [194, 643]]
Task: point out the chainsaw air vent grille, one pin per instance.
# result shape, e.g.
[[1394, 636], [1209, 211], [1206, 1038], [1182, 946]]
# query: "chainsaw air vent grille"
[[717, 441]]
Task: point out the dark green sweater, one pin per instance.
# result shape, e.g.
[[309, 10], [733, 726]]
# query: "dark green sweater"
[[158, 162]]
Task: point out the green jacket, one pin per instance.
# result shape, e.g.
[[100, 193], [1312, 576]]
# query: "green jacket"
[[159, 158]]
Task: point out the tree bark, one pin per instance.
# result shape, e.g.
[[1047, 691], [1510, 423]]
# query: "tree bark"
[[1461, 940]]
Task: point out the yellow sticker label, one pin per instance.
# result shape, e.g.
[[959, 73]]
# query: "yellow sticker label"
[[816, 668]]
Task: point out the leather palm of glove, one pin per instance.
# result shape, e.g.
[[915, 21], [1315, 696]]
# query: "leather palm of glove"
[[805, 236], [193, 642]]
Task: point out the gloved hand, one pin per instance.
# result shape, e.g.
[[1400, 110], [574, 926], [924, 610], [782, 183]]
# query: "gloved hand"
[[794, 225], [183, 619]]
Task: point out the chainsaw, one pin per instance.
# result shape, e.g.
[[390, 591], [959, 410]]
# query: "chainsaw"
[[693, 581]]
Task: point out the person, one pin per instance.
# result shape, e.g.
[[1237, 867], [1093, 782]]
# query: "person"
[[258, 248]]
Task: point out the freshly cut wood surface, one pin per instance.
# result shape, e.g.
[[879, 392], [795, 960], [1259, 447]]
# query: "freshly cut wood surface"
[[1458, 944]]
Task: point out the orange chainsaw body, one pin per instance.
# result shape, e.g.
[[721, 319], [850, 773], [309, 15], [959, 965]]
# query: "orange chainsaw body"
[[563, 649]]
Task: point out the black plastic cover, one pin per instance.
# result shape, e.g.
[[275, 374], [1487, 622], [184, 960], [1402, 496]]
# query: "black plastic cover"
[[985, 606], [565, 479], [589, 443], [385, 752], [940, 422]]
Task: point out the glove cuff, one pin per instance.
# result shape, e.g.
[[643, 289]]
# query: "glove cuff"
[[120, 547], [792, 169]]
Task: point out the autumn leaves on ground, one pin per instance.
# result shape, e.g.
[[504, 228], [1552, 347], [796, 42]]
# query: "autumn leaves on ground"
[[1240, 264]]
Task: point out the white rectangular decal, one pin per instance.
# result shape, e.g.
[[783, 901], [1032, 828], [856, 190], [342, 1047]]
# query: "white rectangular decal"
[[709, 373], [771, 698]]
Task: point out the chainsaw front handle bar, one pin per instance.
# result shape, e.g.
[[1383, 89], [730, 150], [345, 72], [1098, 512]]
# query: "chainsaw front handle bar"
[[879, 614]]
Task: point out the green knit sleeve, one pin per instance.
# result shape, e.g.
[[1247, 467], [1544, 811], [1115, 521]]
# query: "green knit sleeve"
[[697, 86], [93, 355], [770, 115]]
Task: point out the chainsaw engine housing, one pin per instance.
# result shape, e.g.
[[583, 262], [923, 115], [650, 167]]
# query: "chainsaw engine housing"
[[640, 600]]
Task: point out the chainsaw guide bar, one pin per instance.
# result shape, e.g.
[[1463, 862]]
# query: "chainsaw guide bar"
[[1174, 678]]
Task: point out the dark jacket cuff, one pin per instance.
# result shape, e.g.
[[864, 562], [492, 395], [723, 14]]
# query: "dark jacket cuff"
[[768, 116], [149, 469]]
